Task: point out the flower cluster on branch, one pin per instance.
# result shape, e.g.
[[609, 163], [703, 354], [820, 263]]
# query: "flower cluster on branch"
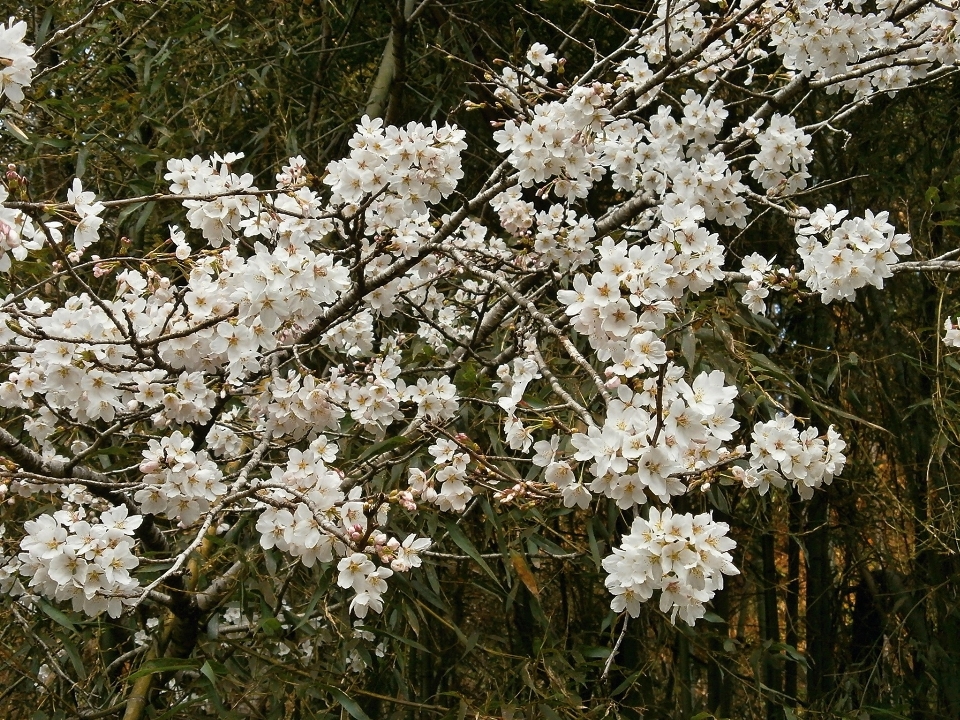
[[289, 348]]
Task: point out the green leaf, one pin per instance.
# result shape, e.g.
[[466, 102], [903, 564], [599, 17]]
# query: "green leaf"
[[381, 447], [795, 654], [44, 27], [271, 626], [548, 712], [318, 594], [601, 653], [145, 215], [71, 650], [630, 680], [471, 642], [688, 346], [162, 665], [594, 547], [177, 710], [463, 542], [207, 671], [718, 499], [82, 161], [57, 616], [402, 639], [349, 704], [849, 416], [16, 131], [494, 522]]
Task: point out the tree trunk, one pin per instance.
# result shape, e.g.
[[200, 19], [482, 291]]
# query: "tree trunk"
[[386, 95], [791, 671], [820, 676], [770, 628]]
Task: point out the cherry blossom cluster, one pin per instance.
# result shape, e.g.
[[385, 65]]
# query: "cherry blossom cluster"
[[824, 41], [652, 437], [842, 47], [684, 28], [88, 210], [511, 388], [682, 556], [673, 154], [404, 168], [375, 403], [356, 661], [69, 558], [297, 404], [780, 453], [16, 60], [306, 513], [368, 580], [67, 372], [88, 370], [556, 143], [446, 486], [514, 379], [781, 162], [18, 234], [841, 256], [666, 153], [180, 483], [563, 238], [645, 278], [304, 494], [952, 336], [436, 399], [221, 218], [759, 270], [348, 307], [559, 472], [272, 293], [513, 83]]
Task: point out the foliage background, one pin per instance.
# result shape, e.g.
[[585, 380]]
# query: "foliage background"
[[847, 607]]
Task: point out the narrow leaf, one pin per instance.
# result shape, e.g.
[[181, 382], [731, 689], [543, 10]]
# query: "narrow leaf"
[[163, 665], [463, 542], [349, 704]]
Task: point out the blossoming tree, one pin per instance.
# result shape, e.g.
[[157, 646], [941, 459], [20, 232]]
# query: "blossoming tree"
[[332, 372]]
